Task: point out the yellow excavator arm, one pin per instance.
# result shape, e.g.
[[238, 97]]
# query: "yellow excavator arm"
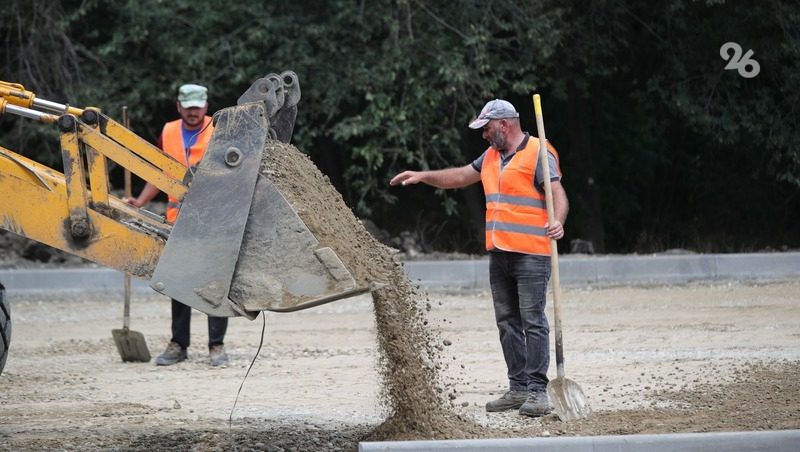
[[225, 200], [74, 211]]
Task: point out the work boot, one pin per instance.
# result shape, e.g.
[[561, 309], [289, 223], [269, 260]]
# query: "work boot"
[[172, 355], [511, 400], [217, 355], [537, 405]]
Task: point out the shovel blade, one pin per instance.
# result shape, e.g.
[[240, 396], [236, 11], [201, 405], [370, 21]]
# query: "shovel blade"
[[131, 345], [568, 400]]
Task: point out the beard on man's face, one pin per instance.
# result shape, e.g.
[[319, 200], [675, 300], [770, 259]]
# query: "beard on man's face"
[[192, 118], [498, 140]]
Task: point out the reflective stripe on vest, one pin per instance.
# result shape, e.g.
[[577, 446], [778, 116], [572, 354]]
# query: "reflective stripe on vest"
[[521, 200], [516, 212], [172, 144]]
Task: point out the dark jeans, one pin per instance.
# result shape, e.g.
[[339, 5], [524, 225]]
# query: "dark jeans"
[[181, 326], [519, 291]]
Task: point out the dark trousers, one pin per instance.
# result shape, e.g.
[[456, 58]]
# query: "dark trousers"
[[181, 326], [519, 292]]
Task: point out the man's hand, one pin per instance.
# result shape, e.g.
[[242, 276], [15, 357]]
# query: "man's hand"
[[149, 192], [132, 201], [406, 178], [556, 231]]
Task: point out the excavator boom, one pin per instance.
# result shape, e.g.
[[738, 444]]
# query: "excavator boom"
[[237, 248]]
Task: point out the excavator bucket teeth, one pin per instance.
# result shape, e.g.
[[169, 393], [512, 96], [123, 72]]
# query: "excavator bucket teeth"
[[238, 247]]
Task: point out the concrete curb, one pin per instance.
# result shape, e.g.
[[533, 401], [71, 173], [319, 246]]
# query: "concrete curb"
[[777, 441], [599, 270], [473, 274]]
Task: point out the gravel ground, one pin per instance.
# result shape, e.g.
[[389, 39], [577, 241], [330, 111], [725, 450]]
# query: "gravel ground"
[[692, 358]]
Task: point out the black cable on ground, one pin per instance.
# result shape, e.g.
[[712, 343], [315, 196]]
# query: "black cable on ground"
[[230, 418]]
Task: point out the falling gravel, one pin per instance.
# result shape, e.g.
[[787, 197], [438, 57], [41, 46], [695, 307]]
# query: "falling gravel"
[[414, 394]]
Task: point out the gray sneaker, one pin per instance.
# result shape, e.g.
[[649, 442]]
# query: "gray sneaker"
[[217, 355], [537, 405], [172, 355], [511, 400]]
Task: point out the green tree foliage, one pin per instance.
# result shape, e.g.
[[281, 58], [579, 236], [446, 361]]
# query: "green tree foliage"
[[661, 146]]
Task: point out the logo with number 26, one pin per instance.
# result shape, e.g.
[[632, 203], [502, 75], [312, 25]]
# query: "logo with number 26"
[[745, 64]]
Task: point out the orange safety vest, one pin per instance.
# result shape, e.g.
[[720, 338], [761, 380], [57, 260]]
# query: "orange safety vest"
[[172, 144], [516, 212]]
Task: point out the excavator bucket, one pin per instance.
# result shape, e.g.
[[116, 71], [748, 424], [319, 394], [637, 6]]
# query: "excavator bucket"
[[238, 246]]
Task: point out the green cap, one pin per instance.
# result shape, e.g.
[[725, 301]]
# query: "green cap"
[[192, 96]]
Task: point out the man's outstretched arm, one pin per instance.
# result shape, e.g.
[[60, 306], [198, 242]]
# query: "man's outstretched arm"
[[444, 178]]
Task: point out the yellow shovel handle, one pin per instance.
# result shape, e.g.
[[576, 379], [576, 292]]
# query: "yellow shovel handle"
[[548, 191]]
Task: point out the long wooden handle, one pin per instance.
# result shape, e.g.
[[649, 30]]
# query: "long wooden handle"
[[548, 192], [127, 123], [126, 316]]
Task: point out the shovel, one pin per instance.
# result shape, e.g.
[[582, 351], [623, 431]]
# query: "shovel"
[[567, 397], [130, 344]]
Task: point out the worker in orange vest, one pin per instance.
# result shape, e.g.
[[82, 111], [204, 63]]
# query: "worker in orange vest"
[[186, 140], [518, 241]]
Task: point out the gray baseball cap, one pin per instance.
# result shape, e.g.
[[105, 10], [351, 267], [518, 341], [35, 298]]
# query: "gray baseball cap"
[[494, 109], [192, 95]]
